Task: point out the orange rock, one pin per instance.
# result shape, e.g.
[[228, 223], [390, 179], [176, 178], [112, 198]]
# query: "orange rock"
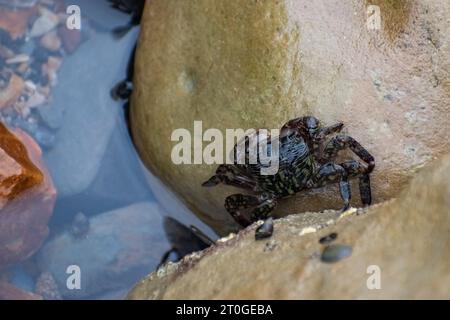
[[10, 94], [16, 21], [27, 197], [17, 172]]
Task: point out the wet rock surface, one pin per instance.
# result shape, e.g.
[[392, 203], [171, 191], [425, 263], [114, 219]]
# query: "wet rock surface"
[[27, 197], [405, 239], [259, 64], [119, 248]]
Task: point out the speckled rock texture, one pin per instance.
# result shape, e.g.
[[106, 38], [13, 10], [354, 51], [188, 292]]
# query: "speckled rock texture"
[[257, 64], [405, 241]]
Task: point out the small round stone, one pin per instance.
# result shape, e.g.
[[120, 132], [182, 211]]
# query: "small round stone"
[[265, 230], [335, 253]]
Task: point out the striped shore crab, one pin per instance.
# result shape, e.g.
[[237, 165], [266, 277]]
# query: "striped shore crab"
[[306, 161]]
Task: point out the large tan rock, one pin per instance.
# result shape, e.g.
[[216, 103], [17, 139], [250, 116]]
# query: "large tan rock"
[[257, 64], [406, 240]]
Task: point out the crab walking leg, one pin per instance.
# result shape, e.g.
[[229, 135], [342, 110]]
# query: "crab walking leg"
[[330, 173], [318, 140], [263, 204], [354, 169], [335, 128], [340, 142], [261, 212], [237, 202], [228, 175], [365, 190]]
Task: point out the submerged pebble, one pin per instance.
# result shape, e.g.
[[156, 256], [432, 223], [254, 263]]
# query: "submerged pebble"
[[336, 252], [80, 225], [47, 288], [46, 22]]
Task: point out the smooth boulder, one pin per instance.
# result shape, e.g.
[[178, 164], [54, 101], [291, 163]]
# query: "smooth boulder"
[[257, 64]]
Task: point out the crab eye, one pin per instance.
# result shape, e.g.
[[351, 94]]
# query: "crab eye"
[[312, 123]]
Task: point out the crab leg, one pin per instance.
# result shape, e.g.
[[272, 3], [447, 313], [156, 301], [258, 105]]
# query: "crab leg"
[[330, 173], [331, 129], [237, 202], [228, 175], [263, 205], [341, 142], [263, 209], [355, 168]]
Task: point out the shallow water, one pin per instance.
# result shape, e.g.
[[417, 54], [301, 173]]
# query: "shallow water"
[[97, 172]]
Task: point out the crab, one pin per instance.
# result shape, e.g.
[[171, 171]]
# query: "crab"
[[306, 161]]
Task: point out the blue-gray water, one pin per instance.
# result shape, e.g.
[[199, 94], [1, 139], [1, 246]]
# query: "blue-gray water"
[[97, 172]]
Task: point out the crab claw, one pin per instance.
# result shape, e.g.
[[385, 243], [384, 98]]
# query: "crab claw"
[[213, 181]]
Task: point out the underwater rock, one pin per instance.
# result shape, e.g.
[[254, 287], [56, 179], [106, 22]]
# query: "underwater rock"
[[14, 21], [86, 116], [71, 39], [399, 250], [259, 64], [17, 172], [80, 225], [46, 22], [120, 247], [11, 92], [27, 197], [120, 180], [51, 41], [47, 288], [10, 292]]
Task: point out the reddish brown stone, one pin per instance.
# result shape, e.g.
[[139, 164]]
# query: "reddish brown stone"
[[11, 93], [71, 39], [17, 172], [51, 41], [27, 197], [9, 292], [16, 21]]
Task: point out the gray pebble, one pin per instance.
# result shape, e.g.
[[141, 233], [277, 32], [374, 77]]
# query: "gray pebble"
[[336, 252]]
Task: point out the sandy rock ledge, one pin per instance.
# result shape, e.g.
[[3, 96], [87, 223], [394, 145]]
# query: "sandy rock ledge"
[[408, 239]]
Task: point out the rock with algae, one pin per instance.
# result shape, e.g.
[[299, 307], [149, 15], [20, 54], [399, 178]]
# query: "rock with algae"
[[257, 64], [406, 240]]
